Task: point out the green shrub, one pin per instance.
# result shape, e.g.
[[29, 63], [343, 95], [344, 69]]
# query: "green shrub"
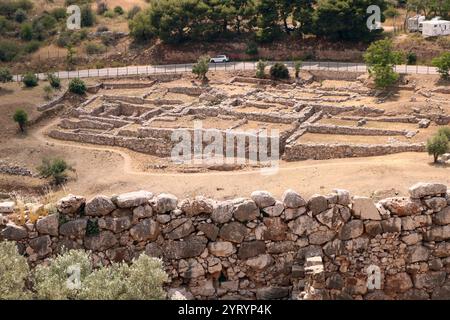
[[59, 14], [142, 280], [133, 12], [94, 48], [411, 58], [201, 68], [30, 80], [141, 28], [442, 63], [109, 14], [77, 86], [14, 271], [87, 16], [51, 281], [26, 32], [54, 80], [32, 46], [20, 15], [102, 7], [261, 69], [279, 71], [119, 10], [381, 59], [252, 48], [437, 145], [444, 131], [5, 75], [297, 67], [54, 168], [48, 90], [21, 117], [9, 50]]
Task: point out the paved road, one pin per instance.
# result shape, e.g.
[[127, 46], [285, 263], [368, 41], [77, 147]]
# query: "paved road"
[[179, 68]]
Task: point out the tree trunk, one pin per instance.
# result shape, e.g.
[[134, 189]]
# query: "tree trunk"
[[22, 127], [286, 28], [436, 157]]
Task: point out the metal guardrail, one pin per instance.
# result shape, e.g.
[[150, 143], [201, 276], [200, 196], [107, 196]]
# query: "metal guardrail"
[[226, 66]]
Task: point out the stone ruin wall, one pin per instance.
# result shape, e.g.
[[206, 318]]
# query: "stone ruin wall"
[[260, 247], [324, 151]]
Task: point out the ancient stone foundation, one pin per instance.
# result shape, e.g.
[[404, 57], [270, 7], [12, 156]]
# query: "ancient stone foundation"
[[331, 246]]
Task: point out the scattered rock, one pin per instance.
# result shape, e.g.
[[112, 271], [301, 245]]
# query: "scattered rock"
[[76, 228], [365, 209], [48, 225], [99, 206], [351, 230], [292, 199], [70, 204], [221, 248], [263, 199], [317, 203], [147, 229], [165, 203], [233, 231], [133, 199], [421, 190]]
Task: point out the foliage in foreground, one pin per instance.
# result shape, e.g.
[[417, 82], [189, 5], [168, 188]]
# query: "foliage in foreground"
[[14, 271], [71, 276]]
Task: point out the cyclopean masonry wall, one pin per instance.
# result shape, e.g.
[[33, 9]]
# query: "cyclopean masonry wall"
[[326, 247]]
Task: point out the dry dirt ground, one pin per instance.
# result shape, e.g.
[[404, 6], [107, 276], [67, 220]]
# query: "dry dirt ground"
[[106, 170]]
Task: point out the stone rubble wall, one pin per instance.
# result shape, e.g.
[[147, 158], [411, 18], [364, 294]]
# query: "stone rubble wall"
[[85, 124], [347, 130], [323, 151], [260, 247], [341, 75], [54, 102]]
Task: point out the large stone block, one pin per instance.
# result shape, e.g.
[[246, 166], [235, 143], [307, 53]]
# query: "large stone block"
[[70, 204], [100, 242], [251, 249], [75, 228], [292, 199], [365, 209], [179, 228], [133, 199], [99, 206], [246, 210], [233, 231], [190, 248], [48, 225], [221, 248], [147, 229], [263, 199], [351, 230], [421, 189]]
